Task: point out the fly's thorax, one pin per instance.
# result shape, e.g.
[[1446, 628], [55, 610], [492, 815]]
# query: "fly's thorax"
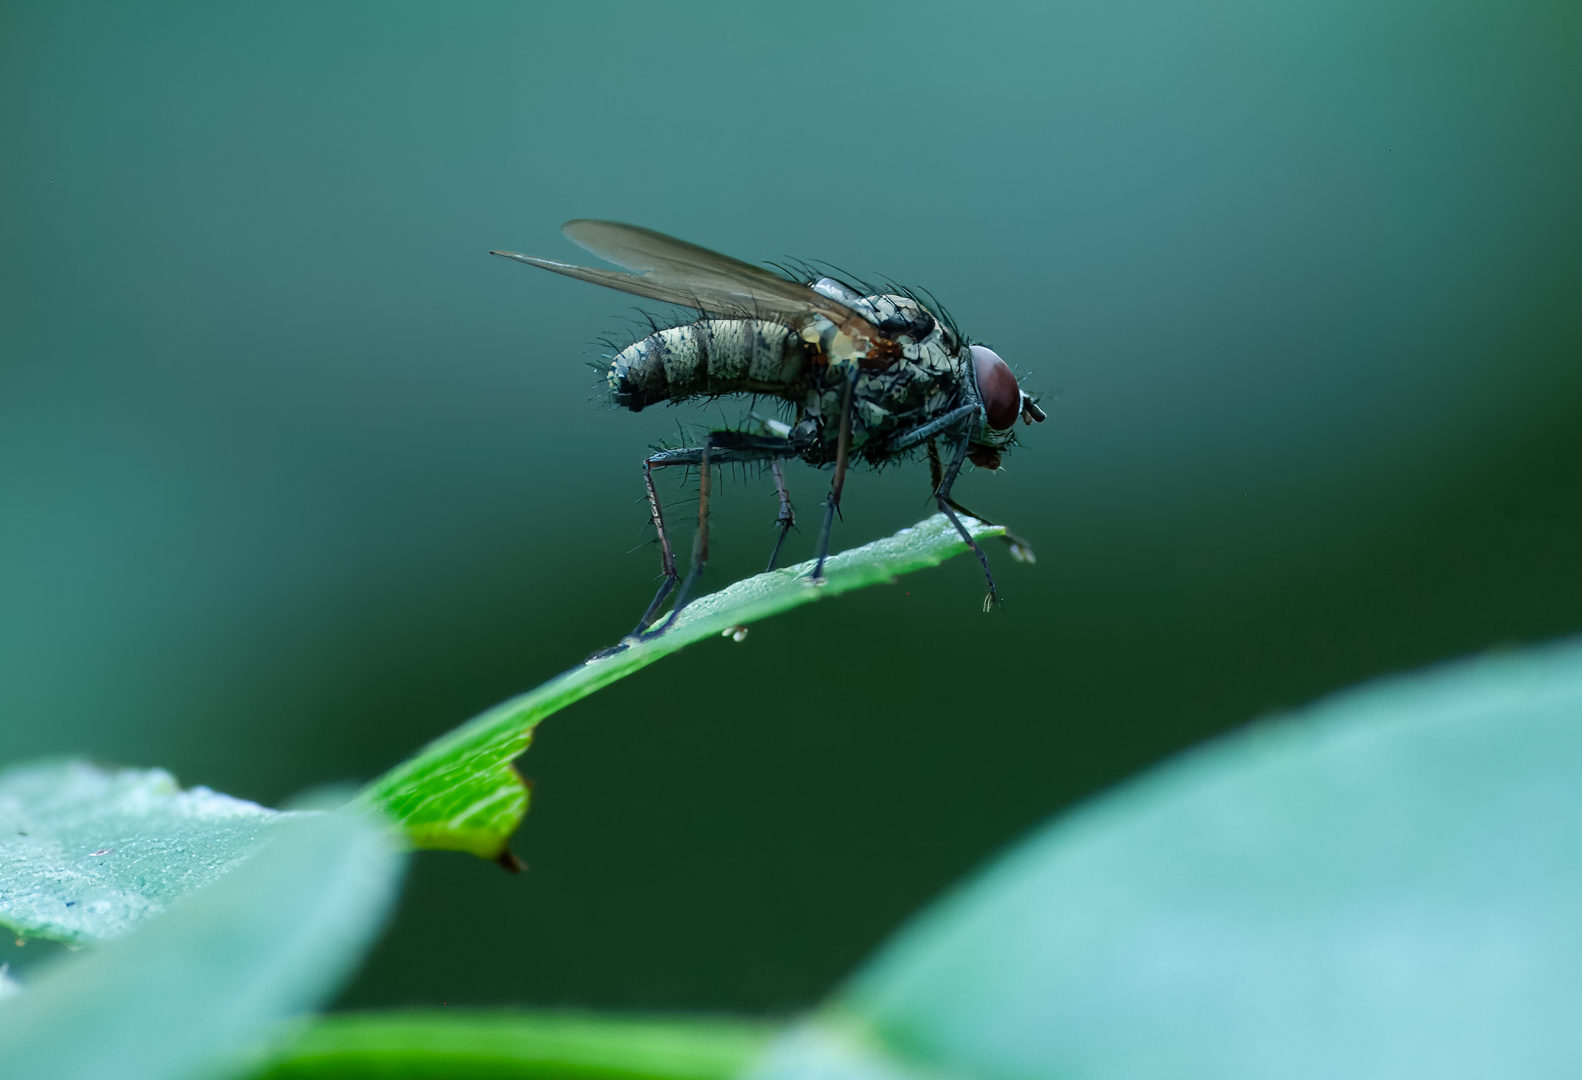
[[923, 383], [913, 334], [906, 325], [706, 358], [909, 392], [921, 379], [886, 402]]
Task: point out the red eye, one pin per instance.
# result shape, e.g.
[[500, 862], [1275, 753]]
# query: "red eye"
[[1001, 396]]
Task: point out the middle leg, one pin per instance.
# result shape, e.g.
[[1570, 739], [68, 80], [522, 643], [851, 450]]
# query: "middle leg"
[[842, 452], [787, 519]]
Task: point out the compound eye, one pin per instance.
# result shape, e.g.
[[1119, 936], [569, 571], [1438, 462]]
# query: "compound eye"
[[1002, 398]]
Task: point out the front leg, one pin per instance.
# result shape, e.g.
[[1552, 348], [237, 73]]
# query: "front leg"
[[942, 496], [1021, 550]]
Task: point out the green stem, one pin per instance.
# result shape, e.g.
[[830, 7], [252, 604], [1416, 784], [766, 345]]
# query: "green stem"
[[476, 1044]]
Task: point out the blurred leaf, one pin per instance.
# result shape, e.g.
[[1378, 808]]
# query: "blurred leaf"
[[462, 793], [86, 853], [1386, 885], [195, 992], [462, 1044]]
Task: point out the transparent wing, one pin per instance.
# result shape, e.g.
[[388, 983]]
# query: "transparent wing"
[[676, 272]]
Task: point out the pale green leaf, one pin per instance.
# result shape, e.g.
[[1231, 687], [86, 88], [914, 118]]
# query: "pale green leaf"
[[1385, 885], [87, 853], [461, 791], [197, 992]]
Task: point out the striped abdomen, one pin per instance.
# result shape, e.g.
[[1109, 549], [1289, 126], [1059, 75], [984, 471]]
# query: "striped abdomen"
[[707, 358]]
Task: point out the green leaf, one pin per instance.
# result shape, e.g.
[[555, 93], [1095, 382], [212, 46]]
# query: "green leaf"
[[464, 1044], [1387, 884], [87, 853], [198, 991], [462, 793]]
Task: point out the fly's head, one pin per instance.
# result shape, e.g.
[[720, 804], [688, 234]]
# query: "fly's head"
[[1003, 402]]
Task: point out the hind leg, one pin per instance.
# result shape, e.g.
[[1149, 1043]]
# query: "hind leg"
[[721, 448], [667, 556]]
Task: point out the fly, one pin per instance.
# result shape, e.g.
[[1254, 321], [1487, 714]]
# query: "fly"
[[872, 377]]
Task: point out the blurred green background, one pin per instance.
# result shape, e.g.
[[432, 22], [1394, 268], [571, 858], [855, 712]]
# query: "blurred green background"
[[294, 477]]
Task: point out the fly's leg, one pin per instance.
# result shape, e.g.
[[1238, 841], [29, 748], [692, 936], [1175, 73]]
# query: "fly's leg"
[[700, 539], [1021, 550], [787, 518], [667, 556], [942, 496], [842, 452], [721, 448]]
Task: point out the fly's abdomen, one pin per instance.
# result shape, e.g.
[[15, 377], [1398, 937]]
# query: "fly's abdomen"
[[707, 358]]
